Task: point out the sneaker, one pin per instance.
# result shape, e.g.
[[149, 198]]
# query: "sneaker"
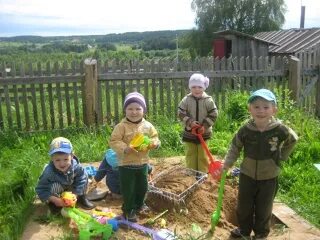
[[131, 216], [236, 233], [85, 203], [143, 209], [96, 194]]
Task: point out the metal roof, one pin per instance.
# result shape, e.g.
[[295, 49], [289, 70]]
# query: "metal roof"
[[241, 34], [292, 40]]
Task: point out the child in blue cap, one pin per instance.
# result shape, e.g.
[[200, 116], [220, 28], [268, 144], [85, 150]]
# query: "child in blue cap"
[[265, 142], [63, 173]]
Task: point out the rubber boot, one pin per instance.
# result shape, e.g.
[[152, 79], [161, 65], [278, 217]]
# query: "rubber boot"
[[85, 203]]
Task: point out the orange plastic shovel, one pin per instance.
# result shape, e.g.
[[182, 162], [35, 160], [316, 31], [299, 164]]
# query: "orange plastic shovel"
[[214, 165]]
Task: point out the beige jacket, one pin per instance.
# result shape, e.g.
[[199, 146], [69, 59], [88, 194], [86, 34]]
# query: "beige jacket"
[[123, 134]]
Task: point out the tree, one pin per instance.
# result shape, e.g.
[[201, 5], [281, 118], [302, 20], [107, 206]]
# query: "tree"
[[248, 16]]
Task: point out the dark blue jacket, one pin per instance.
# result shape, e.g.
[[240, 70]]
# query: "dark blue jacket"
[[75, 178], [112, 176]]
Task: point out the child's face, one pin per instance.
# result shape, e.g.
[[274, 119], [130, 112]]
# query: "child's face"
[[134, 112], [61, 161], [262, 110], [197, 91]]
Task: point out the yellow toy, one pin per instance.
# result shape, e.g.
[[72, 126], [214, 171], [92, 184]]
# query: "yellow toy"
[[140, 142], [69, 199]]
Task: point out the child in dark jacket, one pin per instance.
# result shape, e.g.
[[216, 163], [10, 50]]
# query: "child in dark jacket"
[[63, 173], [109, 168], [265, 142]]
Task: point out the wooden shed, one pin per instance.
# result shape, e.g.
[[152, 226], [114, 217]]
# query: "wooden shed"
[[237, 44]]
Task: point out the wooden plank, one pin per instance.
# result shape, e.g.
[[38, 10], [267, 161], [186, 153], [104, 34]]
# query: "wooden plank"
[[176, 96], [34, 106], [99, 104], [169, 97], [17, 106], [8, 107], [51, 106], [161, 105], [37, 79], [76, 104], [108, 102], [25, 107], [146, 92], [123, 90], [60, 108], [242, 79], [68, 105], [115, 101], [154, 97], [43, 107]]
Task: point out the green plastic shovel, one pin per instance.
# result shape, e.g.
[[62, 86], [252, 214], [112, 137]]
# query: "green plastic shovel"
[[215, 217]]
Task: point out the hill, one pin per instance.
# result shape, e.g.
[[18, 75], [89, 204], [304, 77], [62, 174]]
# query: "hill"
[[126, 38]]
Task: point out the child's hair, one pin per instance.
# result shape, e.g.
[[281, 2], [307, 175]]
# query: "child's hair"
[[198, 80], [263, 93], [137, 98], [60, 145]]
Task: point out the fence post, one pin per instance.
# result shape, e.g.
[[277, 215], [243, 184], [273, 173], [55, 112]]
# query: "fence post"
[[294, 83], [90, 95]]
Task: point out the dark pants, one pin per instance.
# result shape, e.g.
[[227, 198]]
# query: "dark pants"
[[133, 186], [255, 200]]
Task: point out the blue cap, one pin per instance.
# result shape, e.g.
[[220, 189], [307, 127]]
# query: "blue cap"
[[263, 93], [111, 158], [60, 144]]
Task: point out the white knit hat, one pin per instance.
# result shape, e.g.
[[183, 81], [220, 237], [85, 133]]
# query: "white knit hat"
[[137, 98], [198, 80]]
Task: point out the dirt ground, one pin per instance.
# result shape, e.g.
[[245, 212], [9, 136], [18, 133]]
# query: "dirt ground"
[[189, 219]]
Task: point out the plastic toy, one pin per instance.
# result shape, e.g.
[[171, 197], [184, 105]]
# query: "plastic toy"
[[215, 217], [162, 234], [88, 227], [153, 220], [69, 199], [111, 158], [214, 165], [140, 142]]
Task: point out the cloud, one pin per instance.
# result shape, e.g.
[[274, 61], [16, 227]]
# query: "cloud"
[[101, 15], [79, 17]]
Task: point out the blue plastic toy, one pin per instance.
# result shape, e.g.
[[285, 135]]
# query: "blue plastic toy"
[[111, 158]]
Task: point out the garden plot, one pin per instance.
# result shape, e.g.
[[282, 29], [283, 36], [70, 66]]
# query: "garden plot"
[[189, 219]]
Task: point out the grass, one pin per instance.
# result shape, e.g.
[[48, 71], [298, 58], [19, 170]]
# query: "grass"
[[23, 156]]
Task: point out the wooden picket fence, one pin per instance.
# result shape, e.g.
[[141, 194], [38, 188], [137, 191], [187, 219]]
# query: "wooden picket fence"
[[49, 96]]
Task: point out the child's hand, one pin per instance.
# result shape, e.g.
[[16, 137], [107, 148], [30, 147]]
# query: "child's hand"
[[57, 201], [153, 146], [195, 124], [129, 149]]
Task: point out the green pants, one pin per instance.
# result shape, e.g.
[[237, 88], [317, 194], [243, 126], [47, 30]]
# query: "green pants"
[[196, 157], [133, 186], [255, 200]]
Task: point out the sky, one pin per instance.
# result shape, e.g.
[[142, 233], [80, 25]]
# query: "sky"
[[80, 17]]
